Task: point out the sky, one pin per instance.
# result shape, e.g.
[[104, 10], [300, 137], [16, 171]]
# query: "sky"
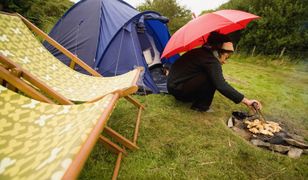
[[196, 6]]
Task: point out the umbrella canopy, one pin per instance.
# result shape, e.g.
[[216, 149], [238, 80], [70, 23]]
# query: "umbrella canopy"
[[196, 31]]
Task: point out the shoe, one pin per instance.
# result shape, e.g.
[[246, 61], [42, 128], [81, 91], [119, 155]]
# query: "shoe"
[[201, 109], [210, 110]]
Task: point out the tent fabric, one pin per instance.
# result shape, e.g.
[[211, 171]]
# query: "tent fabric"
[[161, 37], [109, 36], [123, 56], [69, 32]]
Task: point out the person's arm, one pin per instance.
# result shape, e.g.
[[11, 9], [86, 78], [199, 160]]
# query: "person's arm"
[[214, 71]]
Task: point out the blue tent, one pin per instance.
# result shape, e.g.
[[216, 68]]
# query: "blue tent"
[[111, 36]]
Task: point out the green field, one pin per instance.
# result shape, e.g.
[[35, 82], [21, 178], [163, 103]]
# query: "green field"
[[177, 143]]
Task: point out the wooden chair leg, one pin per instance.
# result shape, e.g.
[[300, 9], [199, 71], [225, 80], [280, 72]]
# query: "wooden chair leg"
[[116, 149], [134, 102], [140, 108], [119, 138], [137, 126], [112, 146], [117, 167]]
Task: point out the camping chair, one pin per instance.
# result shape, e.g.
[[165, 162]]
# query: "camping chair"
[[26, 58], [48, 141], [16, 85]]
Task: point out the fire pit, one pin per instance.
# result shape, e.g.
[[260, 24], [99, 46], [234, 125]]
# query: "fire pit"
[[267, 134]]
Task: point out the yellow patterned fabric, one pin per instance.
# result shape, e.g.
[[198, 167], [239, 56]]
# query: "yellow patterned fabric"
[[40, 140], [19, 44]]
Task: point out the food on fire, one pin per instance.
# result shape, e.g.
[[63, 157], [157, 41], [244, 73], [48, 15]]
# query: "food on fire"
[[260, 127]]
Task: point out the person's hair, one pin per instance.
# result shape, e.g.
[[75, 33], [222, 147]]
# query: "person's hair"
[[216, 39]]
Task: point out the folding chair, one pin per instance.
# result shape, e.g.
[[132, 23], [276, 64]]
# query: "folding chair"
[[25, 57], [24, 60], [48, 141]]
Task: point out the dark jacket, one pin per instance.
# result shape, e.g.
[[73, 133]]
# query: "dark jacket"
[[198, 61]]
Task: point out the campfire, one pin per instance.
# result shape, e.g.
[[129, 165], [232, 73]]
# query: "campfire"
[[267, 134], [262, 127]]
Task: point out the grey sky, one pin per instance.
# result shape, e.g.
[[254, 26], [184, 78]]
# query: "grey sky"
[[195, 6]]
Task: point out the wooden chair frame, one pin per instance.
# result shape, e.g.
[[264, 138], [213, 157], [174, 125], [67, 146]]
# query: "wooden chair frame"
[[21, 79], [17, 79], [80, 159]]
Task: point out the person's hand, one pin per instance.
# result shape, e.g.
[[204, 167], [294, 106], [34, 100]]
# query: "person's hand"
[[249, 103]]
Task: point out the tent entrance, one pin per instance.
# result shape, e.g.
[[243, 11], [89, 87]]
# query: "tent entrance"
[[151, 55]]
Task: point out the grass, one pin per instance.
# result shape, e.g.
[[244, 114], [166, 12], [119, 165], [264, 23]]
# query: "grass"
[[177, 143]]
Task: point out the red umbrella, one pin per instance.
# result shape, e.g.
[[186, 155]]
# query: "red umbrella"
[[196, 31]]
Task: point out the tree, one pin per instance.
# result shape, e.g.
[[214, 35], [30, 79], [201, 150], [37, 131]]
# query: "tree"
[[178, 15], [43, 14], [282, 25], [206, 11]]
